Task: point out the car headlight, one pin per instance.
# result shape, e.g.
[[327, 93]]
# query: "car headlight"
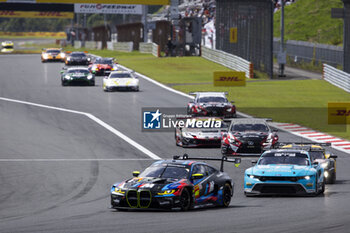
[[167, 192], [251, 176], [89, 76], [115, 68], [94, 67], [67, 76], [186, 135], [68, 58], [46, 56], [62, 55], [229, 110], [307, 177], [118, 190], [88, 59], [324, 165]]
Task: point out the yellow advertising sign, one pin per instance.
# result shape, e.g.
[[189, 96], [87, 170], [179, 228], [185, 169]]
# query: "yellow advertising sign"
[[339, 113], [35, 34], [36, 14], [141, 2], [229, 78], [233, 35]]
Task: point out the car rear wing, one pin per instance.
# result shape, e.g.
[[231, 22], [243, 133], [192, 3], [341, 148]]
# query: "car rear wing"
[[236, 161], [198, 92]]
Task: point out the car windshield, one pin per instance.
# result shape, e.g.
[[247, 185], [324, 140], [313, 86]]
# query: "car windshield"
[[78, 55], [217, 99], [166, 171], [316, 155], [249, 127], [120, 75], [284, 158], [104, 61], [53, 51], [78, 71]]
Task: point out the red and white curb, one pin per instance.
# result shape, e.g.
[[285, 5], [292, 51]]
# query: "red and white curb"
[[313, 135]]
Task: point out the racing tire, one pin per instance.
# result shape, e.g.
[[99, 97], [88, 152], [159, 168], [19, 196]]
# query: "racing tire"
[[64, 84], [323, 188], [185, 200], [92, 84], [121, 209], [332, 178], [226, 195]]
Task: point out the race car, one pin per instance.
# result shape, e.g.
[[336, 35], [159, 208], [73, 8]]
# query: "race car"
[[168, 184], [120, 80], [103, 66], [211, 104], [77, 58], [248, 135], [52, 54], [77, 76], [7, 45], [284, 172], [208, 133], [319, 154]]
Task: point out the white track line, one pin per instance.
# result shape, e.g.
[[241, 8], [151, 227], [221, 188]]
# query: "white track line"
[[97, 120], [67, 160]]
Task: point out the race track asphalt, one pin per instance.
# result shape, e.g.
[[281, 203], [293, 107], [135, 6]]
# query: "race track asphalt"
[[56, 167]]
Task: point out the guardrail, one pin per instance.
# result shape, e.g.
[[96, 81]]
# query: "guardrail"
[[150, 48], [123, 46], [229, 60], [336, 77]]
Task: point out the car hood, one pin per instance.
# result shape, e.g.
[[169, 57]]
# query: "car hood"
[[249, 135], [103, 66], [155, 184], [203, 132], [281, 170]]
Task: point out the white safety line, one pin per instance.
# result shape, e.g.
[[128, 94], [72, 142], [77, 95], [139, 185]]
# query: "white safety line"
[[97, 120], [67, 160]]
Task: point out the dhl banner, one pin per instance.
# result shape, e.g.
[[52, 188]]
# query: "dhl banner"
[[339, 113], [35, 34], [36, 14], [229, 78]]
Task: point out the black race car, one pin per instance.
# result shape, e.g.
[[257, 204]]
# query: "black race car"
[[168, 184], [211, 104], [248, 136], [77, 58], [77, 76]]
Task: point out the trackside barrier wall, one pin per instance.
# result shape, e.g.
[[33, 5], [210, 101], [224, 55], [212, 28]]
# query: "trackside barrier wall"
[[229, 60], [77, 44], [93, 44], [123, 46], [336, 77], [152, 48]]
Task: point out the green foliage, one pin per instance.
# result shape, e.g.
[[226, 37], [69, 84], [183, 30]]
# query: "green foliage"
[[33, 25], [310, 20]]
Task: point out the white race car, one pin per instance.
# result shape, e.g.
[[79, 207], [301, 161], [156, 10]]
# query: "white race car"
[[120, 80]]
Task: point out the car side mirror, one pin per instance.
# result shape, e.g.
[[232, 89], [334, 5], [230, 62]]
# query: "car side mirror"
[[275, 130], [135, 173], [333, 156], [197, 176], [254, 161], [315, 163], [62, 72]]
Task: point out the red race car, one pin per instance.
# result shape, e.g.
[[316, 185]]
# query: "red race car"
[[103, 66]]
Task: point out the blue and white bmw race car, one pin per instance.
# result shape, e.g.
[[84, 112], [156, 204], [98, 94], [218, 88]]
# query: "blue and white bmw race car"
[[284, 172]]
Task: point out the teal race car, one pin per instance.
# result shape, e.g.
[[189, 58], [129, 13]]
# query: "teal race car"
[[284, 172], [77, 76]]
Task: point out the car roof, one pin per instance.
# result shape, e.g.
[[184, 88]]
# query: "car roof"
[[209, 94], [120, 72], [291, 150], [53, 49]]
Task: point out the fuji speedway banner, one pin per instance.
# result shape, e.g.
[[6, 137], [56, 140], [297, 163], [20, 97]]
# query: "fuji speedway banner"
[[108, 9]]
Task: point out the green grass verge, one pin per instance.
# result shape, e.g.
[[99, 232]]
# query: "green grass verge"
[[310, 20]]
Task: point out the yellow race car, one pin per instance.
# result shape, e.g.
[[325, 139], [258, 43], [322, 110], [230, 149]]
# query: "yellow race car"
[[52, 54], [7, 45], [318, 154]]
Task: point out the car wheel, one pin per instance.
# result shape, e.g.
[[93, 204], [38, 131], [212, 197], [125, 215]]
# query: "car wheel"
[[185, 200], [226, 195], [332, 178], [323, 187]]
